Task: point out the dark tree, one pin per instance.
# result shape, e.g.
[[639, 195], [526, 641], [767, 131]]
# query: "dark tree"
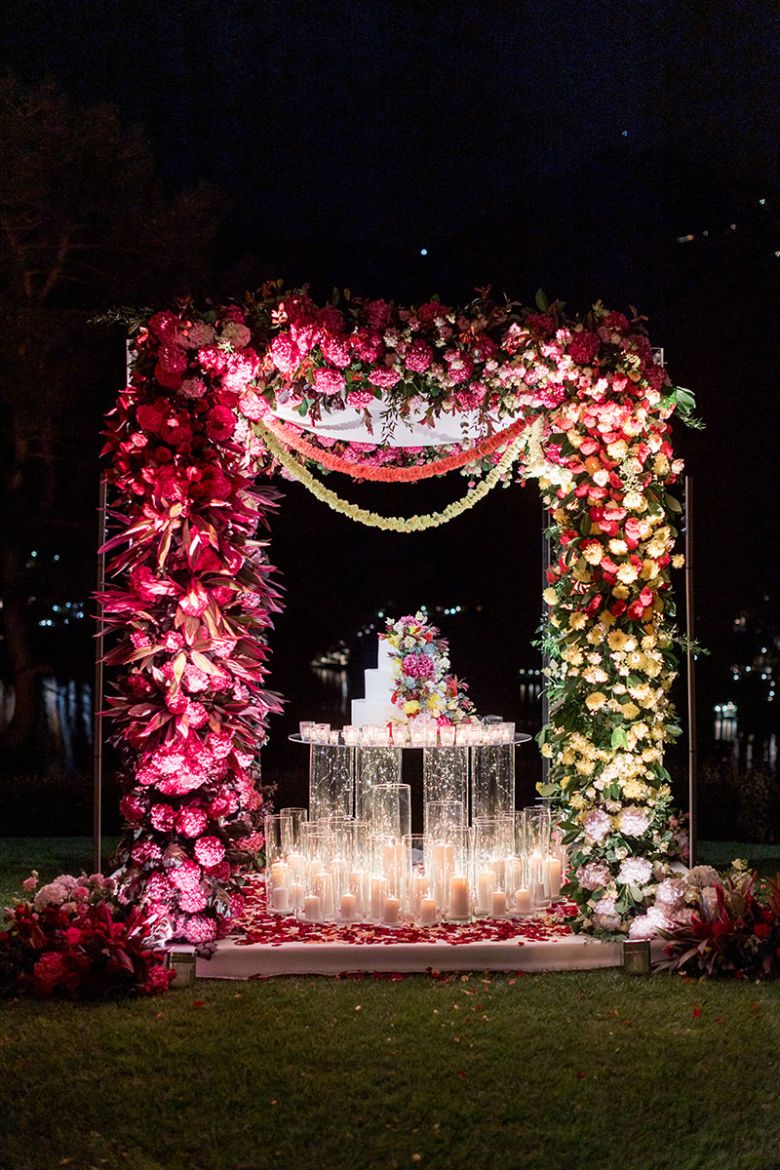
[[84, 224]]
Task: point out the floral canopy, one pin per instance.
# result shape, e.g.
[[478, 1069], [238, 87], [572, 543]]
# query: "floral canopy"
[[222, 397]]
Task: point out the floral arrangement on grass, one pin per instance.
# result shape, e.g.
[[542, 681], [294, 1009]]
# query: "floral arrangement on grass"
[[73, 939], [424, 686], [192, 596], [731, 929]]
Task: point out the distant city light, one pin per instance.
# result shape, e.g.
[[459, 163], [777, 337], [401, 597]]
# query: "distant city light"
[[762, 202], [733, 227], [624, 133], [423, 251], [685, 239]]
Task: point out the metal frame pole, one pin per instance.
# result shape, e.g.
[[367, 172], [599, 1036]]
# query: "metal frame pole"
[[97, 695], [545, 657], [690, 662]]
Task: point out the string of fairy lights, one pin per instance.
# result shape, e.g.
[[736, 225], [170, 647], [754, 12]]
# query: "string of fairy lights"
[[763, 204]]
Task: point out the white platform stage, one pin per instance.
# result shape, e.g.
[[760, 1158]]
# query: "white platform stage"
[[235, 960]]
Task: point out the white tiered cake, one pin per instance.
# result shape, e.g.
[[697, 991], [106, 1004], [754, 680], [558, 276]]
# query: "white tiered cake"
[[377, 708]]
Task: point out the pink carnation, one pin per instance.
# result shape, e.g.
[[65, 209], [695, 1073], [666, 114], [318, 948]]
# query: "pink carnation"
[[336, 351], [377, 313], [191, 822], [212, 358], [360, 399], [366, 345], [163, 817], [209, 850], [193, 388], [146, 853], [186, 876], [385, 378], [418, 357], [165, 325], [583, 347], [328, 381], [284, 353], [221, 423], [191, 901], [172, 359], [418, 666], [331, 319], [200, 334], [197, 929]]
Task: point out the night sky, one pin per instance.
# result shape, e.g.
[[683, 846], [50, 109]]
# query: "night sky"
[[565, 146]]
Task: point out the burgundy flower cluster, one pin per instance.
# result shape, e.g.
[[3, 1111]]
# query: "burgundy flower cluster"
[[73, 940]]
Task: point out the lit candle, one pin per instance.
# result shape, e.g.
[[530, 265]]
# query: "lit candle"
[[418, 890], [297, 893], [391, 911], [280, 899], [323, 887], [459, 904], [427, 912], [553, 873], [378, 895], [348, 907], [523, 901], [357, 886], [498, 904], [486, 884], [280, 873], [312, 908]]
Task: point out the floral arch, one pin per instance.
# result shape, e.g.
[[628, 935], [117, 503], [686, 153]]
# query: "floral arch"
[[219, 396]]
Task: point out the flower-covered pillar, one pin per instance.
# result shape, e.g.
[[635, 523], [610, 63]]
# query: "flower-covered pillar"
[[605, 467], [191, 605]]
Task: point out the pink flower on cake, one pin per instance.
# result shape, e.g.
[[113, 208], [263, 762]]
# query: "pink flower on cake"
[[418, 666], [418, 357], [284, 353], [384, 378], [360, 399]]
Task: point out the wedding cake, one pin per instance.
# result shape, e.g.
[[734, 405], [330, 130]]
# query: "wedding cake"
[[377, 708], [412, 667]]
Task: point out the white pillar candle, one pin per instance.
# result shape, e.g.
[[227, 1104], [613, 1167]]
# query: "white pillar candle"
[[459, 903], [280, 899], [312, 908], [391, 911], [539, 898], [419, 888], [297, 894], [426, 914], [523, 901], [553, 875], [378, 895], [486, 884], [498, 904], [323, 887], [348, 907], [280, 874]]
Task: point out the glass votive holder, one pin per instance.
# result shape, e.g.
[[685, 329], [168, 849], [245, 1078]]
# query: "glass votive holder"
[[418, 732], [320, 733], [351, 735], [447, 736], [508, 733], [291, 821], [334, 737], [306, 728], [401, 737]]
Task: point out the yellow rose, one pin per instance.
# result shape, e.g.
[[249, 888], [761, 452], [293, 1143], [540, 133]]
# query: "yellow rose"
[[627, 574], [550, 596], [547, 751], [411, 707], [618, 547], [595, 701]]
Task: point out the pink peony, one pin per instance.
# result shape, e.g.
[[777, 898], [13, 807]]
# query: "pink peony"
[[634, 821], [377, 313], [594, 875], [146, 853], [418, 666], [209, 850], [597, 824], [635, 871], [366, 345], [191, 901], [212, 358], [328, 381]]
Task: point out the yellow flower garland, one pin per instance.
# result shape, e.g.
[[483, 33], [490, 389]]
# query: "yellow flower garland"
[[373, 519]]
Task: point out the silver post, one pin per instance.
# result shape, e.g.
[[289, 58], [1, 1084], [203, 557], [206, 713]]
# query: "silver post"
[[690, 662], [97, 695]]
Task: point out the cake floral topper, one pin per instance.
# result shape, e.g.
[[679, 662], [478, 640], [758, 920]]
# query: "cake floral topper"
[[424, 687]]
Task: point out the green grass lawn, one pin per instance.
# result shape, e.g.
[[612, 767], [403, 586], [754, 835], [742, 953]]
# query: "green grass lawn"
[[579, 1071]]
